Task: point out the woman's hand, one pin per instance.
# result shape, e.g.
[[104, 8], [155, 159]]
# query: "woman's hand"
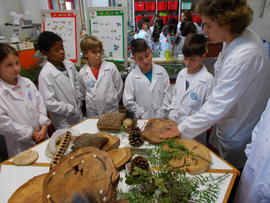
[[172, 131]]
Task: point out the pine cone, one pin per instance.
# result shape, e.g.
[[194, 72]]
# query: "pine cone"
[[140, 162], [135, 137]]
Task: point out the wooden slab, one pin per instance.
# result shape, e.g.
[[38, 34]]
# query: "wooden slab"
[[111, 121], [154, 128], [113, 142], [120, 156], [26, 157], [193, 164], [86, 175], [29, 192]]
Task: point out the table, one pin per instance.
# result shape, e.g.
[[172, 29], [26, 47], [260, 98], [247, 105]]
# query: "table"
[[12, 177]]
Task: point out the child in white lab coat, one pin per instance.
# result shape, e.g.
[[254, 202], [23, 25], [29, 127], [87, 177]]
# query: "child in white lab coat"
[[194, 83], [144, 33], [58, 82], [23, 118], [147, 90], [100, 81]]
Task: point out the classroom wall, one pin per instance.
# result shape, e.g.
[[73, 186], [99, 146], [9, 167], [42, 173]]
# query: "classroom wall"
[[261, 18], [261, 22], [6, 7], [34, 7]]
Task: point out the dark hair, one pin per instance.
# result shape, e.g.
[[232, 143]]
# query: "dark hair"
[[47, 39], [188, 15], [187, 28], [169, 29], [140, 24], [235, 13], [146, 19], [138, 45], [195, 45], [157, 29], [172, 21], [6, 50]]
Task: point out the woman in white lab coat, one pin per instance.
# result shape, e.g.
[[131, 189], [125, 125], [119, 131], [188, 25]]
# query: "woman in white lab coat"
[[23, 119], [59, 82], [254, 184], [242, 82]]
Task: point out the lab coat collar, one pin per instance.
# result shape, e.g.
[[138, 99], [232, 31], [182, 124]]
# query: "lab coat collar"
[[200, 78], [7, 90], [155, 75], [227, 48], [55, 72], [103, 69]]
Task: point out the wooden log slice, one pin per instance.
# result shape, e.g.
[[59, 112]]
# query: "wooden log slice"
[[120, 156], [154, 128], [86, 175], [29, 192], [113, 141], [25, 158], [111, 121], [196, 164]]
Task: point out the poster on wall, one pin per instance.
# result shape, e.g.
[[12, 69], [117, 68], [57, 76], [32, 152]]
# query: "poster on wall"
[[109, 25], [65, 24]]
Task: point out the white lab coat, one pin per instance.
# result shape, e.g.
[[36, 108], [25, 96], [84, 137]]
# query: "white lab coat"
[[254, 185], [148, 99], [187, 102], [61, 94], [239, 96], [19, 116], [142, 34], [102, 95]]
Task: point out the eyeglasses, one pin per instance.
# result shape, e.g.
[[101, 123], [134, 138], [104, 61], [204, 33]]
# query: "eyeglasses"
[[97, 52]]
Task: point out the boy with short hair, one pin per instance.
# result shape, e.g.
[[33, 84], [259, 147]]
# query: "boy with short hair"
[[147, 90], [58, 82], [194, 83], [100, 81]]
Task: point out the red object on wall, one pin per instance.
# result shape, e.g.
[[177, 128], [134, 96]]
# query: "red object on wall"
[[162, 5], [172, 5], [196, 19], [173, 16], [138, 18], [139, 6], [164, 18], [150, 6], [27, 59]]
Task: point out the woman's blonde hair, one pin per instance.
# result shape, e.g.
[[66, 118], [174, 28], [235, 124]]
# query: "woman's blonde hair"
[[235, 13], [90, 43]]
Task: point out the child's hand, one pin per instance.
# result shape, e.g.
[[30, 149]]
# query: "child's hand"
[[35, 135], [42, 133], [172, 131]]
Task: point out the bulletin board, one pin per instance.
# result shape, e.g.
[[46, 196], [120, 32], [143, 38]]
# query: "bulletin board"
[[109, 25], [65, 24]]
